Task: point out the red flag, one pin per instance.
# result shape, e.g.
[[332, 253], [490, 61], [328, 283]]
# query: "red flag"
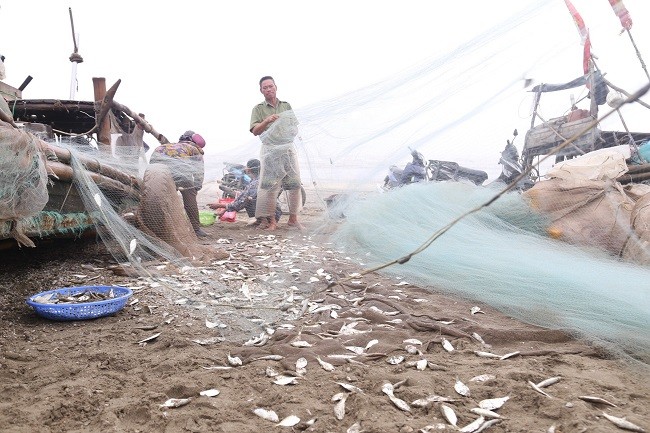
[[584, 35], [587, 55], [622, 13], [577, 19]]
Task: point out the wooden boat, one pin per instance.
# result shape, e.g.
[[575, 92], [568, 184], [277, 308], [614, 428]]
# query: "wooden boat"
[[33, 135]]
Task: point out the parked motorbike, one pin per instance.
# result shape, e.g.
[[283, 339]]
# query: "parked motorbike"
[[420, 170], [448, 170], [414, 171], [235, 180], [511, 167]]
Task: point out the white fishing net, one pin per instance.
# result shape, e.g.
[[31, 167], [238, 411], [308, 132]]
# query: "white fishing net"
[[570, 252]]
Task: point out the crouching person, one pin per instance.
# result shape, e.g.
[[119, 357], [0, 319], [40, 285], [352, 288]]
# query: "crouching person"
[[185, 160]]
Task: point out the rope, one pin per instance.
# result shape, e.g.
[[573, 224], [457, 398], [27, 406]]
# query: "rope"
[[638, 54]]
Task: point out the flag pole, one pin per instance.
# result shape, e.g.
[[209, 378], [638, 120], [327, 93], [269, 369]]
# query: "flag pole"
[[75, 58]]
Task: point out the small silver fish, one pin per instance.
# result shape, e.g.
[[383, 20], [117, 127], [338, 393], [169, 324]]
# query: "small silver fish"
[[493, 403], [473, 426], [301, 343], [339, 407], [509, 355], [623, 423], [301, 366], [461, 388], [175, 402], [597, 400], [486, 354], [478, 338], [485, 413], [548, 382], [289, 421], [447, 345], [411, 349], [269, 358], [482, 378], [234, 360], [449, 414], [394, 360], [350, 388], [285, 380], [326, 365], [268, 415], [538, 389], [428, 401], [487, 424]]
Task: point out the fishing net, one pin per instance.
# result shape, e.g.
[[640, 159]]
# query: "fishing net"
[[566, 248]]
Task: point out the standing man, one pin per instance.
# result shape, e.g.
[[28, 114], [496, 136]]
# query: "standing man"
[[273, 120], [185, 161]]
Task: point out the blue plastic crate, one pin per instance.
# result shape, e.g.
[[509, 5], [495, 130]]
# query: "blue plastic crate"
[[81, 310]]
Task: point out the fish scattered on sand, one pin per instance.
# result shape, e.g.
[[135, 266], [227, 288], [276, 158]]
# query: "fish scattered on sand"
[[473, 426], [623, 423], [175, 402], [339, 407], [538, 389], [325, 365], [266, 414], [485, 413], [461, 388], [289, 421], [449, 414], [548, 382], [388, 389], [493, 403], [209, 393], [596, 400]]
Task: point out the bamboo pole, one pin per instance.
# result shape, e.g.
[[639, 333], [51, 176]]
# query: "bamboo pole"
[[104, 130], [93, 165], [146, 126], [638, 168], [65, 173], [107, 101], [627, 94]]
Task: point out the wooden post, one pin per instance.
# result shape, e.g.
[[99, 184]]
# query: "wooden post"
[[104, 133]]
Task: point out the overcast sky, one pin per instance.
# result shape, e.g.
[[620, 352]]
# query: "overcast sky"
[[196, 64]]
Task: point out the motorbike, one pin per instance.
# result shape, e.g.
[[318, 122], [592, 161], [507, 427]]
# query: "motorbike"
[[235, 180], [414, 171], [421, 170], [511, 166]]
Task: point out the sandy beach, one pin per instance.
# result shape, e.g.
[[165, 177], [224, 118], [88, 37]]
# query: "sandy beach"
[[346, 353]]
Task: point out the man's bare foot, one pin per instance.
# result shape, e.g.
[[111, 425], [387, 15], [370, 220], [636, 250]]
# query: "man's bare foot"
[[293, 222], [296, 225], [271, 226]]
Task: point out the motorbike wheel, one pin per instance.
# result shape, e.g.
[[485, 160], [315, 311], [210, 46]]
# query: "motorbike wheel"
[[283, 199]]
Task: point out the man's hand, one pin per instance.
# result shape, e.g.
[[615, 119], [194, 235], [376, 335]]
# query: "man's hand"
[[272, 118]]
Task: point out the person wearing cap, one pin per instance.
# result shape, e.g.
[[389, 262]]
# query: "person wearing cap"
[[185, 160], [247, 199]]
